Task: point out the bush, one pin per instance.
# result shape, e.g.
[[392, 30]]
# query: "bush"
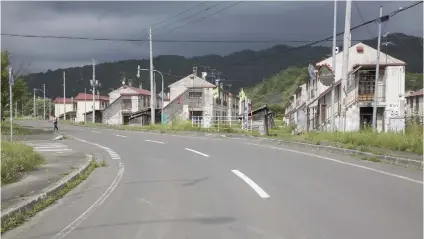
[[16, 159]]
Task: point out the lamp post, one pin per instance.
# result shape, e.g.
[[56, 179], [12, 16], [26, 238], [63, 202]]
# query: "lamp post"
[[163, 93], [44, 103]]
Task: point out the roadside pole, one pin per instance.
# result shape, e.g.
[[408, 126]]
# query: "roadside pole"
[[11, 83], [377, 75], [334, 68]]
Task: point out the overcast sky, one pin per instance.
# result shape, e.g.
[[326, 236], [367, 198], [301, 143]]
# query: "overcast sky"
[[280, 20]]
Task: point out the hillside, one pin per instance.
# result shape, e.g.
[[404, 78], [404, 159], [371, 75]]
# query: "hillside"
[[238, 68]]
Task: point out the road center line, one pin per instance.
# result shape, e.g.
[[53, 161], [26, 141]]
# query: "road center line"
[[252, 184], [341, 162], [96, 132], [158, 142], [120, 135], [197, 152]]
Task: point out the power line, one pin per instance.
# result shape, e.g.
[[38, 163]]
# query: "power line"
[[165, 40], [166, 19], [384, 18], [197, 13], [362, 18], [200, 19]]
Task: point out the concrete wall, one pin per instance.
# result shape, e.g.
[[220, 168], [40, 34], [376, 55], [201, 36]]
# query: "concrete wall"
[[112, 115]]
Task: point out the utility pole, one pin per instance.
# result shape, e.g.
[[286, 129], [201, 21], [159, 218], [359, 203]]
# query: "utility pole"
[[377, 74], [64, 96], [334, 67], [85, 105], [35, 112], [152, 94], [11, 83], [345, 72], [94, 84], [44, 102]]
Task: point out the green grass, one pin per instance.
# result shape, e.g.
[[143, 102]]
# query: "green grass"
[[175, 126], [366, 140], [20, 217], [16, 159], [17, 129]]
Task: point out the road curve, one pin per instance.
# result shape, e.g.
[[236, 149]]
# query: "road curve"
[[215, 187]]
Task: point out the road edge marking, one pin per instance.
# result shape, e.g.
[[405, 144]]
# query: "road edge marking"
[[68, 229], [197, 152], [251, 183], [341, 162]]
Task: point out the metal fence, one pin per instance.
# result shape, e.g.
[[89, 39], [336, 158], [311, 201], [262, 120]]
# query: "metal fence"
[[223, 122]]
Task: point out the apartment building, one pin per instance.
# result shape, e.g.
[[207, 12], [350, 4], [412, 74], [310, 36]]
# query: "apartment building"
[[414, 106], [84, 105], [195, 98], [355, 111], [129, 105], [63, 105]]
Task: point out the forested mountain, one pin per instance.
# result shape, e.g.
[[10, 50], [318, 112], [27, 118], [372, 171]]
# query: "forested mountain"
[[240, 69]]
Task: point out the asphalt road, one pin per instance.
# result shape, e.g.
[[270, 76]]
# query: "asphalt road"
[[176, 186]]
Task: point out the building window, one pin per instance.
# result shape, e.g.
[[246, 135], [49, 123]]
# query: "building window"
[[126, 104], [194, 94]]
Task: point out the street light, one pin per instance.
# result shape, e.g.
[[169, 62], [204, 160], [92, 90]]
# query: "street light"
[[163, 93], [44, 103]]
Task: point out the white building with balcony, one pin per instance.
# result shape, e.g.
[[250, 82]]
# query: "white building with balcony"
[[355, 111], [414, 106]]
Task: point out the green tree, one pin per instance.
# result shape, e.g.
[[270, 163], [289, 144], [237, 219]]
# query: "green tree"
[[19, 89]]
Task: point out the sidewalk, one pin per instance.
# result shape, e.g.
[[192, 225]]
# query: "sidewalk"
[[62, 157]]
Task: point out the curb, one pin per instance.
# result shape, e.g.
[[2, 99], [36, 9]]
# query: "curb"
[[47, 192]]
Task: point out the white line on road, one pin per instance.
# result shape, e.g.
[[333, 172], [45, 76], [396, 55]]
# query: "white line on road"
[[120, 135], [197, 152], [252, 184], [96, 132], [68, 229], [341, 162], [158, 142]]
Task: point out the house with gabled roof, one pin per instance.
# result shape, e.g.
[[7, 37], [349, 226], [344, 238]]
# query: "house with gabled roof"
[[355, 111], [191, 98], [84, 105], [124, 102]]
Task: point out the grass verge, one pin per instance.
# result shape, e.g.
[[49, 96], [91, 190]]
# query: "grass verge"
[[20, 217], [175, 126], [17, 129], [16, 159], [366, 140]]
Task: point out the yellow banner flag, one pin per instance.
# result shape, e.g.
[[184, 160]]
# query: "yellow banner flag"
[[242, 95], [215, 93]]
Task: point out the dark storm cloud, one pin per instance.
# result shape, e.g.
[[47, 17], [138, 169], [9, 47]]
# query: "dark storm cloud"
[[248, 21]]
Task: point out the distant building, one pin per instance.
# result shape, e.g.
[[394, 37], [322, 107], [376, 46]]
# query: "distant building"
[[63, 105], [84, 105], [414, 106], [126, 101], [192, 98]]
